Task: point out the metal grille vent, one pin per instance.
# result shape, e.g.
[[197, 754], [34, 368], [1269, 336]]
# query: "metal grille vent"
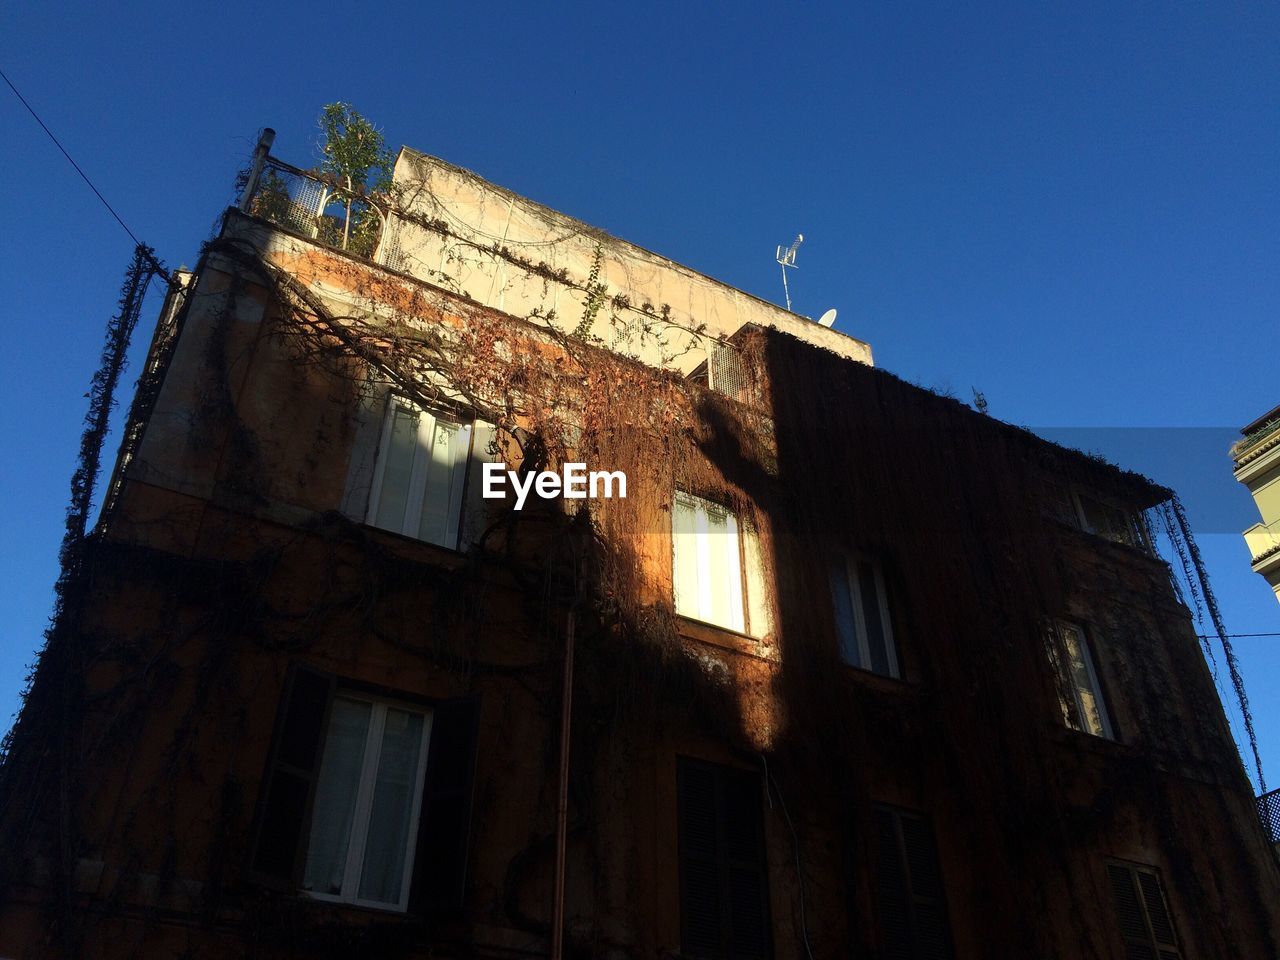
[[391, 254], [728, 373]]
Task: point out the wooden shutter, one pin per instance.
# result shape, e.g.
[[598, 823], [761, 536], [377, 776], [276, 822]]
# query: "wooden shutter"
[[724, 891], [759, 609], [440, 864], [1157, 913], [1056, 503], [909, 891], [292, 767], [1144, 918], [700, 877], [893, 892], [477, 512]]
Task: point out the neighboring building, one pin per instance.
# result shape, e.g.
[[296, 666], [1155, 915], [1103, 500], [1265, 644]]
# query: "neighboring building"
[[1257, 466], [855, 671]]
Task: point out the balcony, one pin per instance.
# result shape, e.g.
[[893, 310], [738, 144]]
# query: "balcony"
[[1257, 432], [1258, 437], [319, 208]]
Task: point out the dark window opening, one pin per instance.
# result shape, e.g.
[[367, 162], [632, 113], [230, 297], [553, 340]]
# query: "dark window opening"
[[724, 889], [909, 891]]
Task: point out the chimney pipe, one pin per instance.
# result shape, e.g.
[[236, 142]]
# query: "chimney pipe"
[[265, 139]]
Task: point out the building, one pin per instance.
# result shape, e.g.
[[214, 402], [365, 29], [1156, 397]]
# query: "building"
[[851, 670], [1257, 466]]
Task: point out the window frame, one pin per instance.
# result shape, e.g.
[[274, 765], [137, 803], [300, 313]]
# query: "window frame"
[[1073, 714], [1064, 503], [1131, 519], [847, 563], [740, 614], [459, 481], [363, 807], [287, 790]]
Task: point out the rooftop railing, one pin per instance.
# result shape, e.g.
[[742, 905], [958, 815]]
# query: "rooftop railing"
[[317, 206], [1254, 437], [1269, 814]]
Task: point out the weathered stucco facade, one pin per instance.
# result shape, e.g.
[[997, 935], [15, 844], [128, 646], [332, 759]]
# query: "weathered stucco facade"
[[972, 790]]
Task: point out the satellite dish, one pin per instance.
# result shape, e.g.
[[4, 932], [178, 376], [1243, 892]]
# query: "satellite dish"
[[828, 318]]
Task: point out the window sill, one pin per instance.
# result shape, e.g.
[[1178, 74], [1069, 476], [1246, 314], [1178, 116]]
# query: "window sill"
[[369, 909], [1102, 746], [450, 556], [334, 910], [871, 678], [1097, 539], [724, 637]]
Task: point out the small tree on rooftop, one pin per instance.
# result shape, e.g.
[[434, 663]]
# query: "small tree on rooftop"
[[353, 150]]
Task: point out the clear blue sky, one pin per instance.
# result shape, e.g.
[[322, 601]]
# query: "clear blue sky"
[[1072, 207]]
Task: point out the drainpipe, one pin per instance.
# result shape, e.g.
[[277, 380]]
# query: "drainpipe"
[[260, 152], [562, 805]]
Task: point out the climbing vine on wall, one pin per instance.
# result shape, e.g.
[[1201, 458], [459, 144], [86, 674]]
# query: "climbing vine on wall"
[[50, 700], [1195, 575]]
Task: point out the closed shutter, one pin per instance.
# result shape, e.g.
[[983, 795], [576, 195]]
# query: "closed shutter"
[[1158, 914], [1143, 915], [440, 865], [1057, 504], [892, 890], [700, 877], [724, 893], [292, 768], [478, 512], [759, 610], [909, 890]]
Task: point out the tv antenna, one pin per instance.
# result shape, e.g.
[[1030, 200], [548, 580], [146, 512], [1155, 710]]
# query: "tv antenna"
[[787, 258]]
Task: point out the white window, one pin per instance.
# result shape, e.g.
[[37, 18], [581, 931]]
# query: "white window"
[[368, 799], [708, 562], [717, 569], [421, 473], [1079, 692], [863, 624]]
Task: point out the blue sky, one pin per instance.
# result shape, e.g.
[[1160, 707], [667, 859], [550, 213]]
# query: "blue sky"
[[1072, 208]]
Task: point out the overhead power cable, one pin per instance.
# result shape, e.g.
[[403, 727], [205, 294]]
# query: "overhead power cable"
[[1208, 636], [138, 244]]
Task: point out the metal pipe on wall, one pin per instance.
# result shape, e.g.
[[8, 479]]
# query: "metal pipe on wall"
[[562, 802]]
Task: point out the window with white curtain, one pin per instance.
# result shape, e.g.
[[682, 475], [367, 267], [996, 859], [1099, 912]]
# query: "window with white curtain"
[[718, 575], [368, 799], [863, 624], [421, 473], [1079, 691], [708, 562]]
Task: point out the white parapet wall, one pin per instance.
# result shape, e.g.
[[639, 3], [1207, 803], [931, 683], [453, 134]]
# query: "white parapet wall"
[[460, 232]]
